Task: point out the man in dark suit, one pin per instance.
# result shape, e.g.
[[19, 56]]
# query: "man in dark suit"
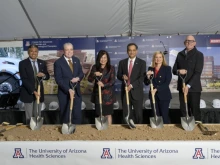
[[132, 69], [189, 62], [68, 69], [30, 70]]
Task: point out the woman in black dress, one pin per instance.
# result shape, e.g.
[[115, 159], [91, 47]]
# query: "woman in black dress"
[[106, 72]]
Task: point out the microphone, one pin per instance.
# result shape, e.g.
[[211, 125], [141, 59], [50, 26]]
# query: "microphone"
[[165, 52]]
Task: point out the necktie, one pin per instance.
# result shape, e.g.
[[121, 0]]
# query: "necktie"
[[70, 65], [35, 73], [129, 71], [35, 68]]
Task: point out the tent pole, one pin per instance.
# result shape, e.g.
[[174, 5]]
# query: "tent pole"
[[29, 19]]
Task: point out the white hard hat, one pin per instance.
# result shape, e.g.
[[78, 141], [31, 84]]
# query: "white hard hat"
[[202, 104], [20, 105], [93, 106], [116, 105], [53, 105], [216, 103], [43, 106], [147, 104], [83, 106]]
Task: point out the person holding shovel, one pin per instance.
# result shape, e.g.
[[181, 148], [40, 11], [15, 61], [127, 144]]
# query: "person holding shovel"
[[189, 63], [32, 70], [68, 72], [161, 75], [131, 72], [103, 73]]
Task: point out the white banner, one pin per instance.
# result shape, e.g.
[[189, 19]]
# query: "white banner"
[[110, 152]]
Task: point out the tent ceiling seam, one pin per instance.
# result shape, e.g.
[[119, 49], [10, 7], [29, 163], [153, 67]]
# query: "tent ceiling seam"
[[28, 17]]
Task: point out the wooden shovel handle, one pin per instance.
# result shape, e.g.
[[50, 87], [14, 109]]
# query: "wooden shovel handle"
[[71, 103], [38, 92], [6, 129], [100, 94], [127, 98], [185, 96], [152, 88]]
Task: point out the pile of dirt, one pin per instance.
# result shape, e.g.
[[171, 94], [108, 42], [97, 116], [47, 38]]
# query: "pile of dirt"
[[114, 132]]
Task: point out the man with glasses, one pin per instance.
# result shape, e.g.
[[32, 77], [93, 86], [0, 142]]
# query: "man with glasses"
[[189, 65]]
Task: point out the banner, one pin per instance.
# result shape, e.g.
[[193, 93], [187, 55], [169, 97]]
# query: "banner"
[[110, 152]]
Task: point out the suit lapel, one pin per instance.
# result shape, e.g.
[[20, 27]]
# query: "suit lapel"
[[135, 66], [66, 65], [29, 66], [126, 67], [159, 71], [39, 63], [74, 64]]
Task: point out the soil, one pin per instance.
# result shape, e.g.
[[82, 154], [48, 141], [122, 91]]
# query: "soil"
[[114, 132]]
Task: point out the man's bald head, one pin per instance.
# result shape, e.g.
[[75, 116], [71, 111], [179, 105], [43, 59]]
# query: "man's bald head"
[[190, 42]]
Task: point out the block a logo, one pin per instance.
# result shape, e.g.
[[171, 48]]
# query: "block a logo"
[[106, 154], [198, 154], [18, 153]]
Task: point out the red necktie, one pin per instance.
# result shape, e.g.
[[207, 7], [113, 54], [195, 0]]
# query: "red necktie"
[[129, 71]]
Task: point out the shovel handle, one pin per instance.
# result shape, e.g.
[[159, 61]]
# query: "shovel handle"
[[6, 129], [151, 88], [100, 94], [185, 96], [126, 93], [203, 127], [71, 103], [38, 92]]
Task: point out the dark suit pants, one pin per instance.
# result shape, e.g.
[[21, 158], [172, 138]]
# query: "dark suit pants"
[[65, 109], [136, 114], [193, 99], [162, 109]]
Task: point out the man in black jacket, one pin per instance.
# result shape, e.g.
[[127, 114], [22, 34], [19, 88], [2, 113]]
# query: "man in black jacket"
[[132, 70], [30, 70], [189, 63]]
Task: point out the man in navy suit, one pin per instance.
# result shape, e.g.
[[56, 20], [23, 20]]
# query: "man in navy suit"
[[132, 70], [30, 70], [67, 69]]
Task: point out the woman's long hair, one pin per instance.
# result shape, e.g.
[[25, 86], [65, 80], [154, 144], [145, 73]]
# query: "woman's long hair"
[[98, 64], [154, 57]]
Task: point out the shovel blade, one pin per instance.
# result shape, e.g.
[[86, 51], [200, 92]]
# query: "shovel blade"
[[68, 128], [188, 124], [156, 122], [36, 123], [101, 123]]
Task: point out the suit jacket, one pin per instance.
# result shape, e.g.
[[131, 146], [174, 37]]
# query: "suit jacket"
[[161, 82], [193, 63], [136, 78], [63, 75], [108, 80], [28, 80]]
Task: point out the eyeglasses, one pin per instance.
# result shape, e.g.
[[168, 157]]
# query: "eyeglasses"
[[189, 41]]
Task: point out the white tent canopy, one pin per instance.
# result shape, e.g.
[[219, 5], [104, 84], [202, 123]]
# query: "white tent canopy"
[[73, 18]]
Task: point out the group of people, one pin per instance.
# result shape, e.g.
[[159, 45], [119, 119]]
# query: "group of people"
[[131, 72]]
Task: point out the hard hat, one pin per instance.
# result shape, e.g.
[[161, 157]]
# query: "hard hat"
[[83, 106], [93, 106], [147, 104], [43, 106], [53, 105], [202, 104], [216, 103], [116, 105]]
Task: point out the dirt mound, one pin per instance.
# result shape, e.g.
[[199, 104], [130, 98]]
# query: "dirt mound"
[[114, 132]]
